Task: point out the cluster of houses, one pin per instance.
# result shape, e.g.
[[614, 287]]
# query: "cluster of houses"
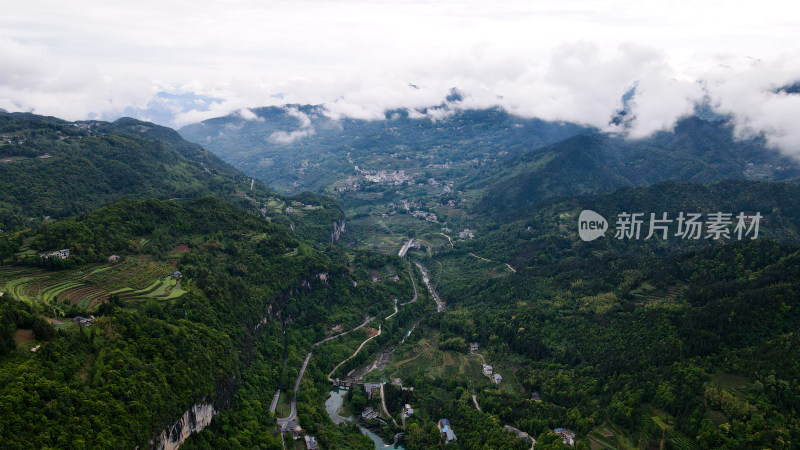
[[430, 217], [85, 321], [60, 254], [466, 234], [297, 205], [395, 178], [489, 372]]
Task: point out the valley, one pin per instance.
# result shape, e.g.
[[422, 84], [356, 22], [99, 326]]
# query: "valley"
[[412, 296]]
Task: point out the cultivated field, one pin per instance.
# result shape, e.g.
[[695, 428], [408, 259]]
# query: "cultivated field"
[[136, 279]]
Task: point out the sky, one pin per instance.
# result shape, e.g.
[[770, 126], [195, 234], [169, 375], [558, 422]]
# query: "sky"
[[179, 62]]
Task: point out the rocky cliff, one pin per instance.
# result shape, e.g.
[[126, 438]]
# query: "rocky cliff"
[[192, 421], [338, 229]]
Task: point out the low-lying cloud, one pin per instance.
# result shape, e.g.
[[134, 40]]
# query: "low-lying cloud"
[[287, 137], [534, 59]]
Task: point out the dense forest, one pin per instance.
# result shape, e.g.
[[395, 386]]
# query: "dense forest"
[[630, 334]]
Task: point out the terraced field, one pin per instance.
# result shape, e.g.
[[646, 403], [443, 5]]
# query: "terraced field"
[[136, 279]]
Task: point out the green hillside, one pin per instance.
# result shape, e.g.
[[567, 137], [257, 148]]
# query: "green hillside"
[[632, 343], [159, 344]]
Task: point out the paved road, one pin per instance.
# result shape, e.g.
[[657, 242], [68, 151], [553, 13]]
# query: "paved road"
[[448, 238], [361, 346], [293, 407], [274, 405], [405, 248]]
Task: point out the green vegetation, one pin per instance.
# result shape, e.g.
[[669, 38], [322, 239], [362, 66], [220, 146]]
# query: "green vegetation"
[[630, 344], [149, 362]]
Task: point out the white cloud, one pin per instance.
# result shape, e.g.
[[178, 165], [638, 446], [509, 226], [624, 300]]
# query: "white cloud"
[[749, 92], [248, 114], [287, 137], [550, 59]]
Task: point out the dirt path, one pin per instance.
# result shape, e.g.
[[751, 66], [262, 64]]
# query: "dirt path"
[[492, 261], [475, 400]]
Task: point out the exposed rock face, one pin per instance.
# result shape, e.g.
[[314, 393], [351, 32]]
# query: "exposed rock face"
[[338, 229], [192, 421]]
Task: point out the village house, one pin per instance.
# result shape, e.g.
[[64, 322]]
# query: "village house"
[[177, 275], [369, 414], [497, 378], [113, 258], [487, 370], [85, 321], [447, 432], [311, 443], [474, 346], [567, 436], [536, 397], [408, 410]]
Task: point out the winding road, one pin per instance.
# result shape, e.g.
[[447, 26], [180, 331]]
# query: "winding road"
[[293, 409], [363, 344]]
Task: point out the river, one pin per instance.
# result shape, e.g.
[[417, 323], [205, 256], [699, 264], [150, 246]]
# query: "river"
[[332, 406]]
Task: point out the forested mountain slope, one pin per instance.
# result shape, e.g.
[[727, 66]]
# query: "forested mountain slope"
[[50, 168], [676, 342], [697, 150], [147, 358]]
